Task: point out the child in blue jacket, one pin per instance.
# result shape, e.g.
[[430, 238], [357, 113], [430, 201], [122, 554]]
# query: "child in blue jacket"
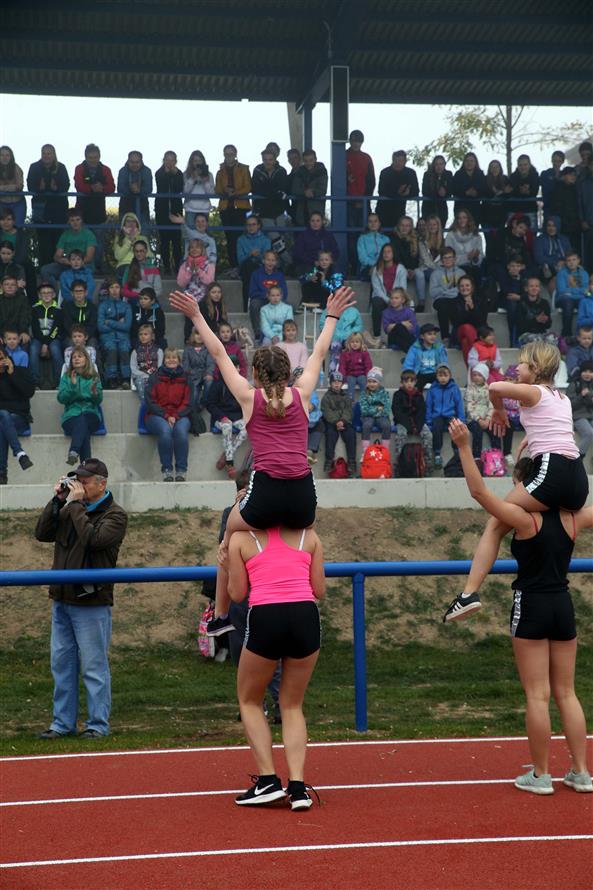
[[114, 324], [572, 283], [425, 355], [443, 403]]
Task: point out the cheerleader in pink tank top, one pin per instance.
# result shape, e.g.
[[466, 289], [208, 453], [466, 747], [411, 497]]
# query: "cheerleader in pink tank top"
[[283, 570], [281, 489], [557, 479]]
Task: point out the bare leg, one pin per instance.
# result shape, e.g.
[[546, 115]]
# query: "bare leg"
[[234, 524], [533, 663], [296, 673], [253, 676], [489, 544], [562, 665]]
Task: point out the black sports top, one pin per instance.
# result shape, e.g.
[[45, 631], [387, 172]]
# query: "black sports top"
[[543, 559]]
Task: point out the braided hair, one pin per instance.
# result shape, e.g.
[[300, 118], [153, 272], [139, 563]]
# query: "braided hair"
[[272, 366]]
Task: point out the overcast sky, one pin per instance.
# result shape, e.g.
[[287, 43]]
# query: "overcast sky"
[[154, 126]]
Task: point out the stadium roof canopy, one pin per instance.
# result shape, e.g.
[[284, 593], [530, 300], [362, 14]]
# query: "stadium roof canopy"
[[536, 52]]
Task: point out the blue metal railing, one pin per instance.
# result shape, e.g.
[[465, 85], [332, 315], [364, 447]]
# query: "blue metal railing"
[[358, 571]]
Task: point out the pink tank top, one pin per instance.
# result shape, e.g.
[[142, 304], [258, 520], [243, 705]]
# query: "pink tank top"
[[279, 573], [279, 444], [549, 426]]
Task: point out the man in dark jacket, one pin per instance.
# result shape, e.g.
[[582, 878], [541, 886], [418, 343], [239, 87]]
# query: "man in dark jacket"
[[397, 184], [87, 528], [309, 188], [134, 184], [270, 182], [169, 180]]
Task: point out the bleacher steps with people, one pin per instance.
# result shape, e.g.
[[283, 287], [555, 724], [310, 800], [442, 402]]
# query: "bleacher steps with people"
[[133, 461]]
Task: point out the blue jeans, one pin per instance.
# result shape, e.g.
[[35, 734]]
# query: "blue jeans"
[[352, 382], [10, 427], [171, 441], [80, 637], [56, 355], [80, 430]]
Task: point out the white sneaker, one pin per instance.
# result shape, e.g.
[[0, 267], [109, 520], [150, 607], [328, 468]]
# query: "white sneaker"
[[509, 460]]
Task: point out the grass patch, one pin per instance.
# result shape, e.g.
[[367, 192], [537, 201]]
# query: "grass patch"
[[171, 697]]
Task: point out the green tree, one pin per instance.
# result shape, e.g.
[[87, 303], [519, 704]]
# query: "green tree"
[[507, 128]]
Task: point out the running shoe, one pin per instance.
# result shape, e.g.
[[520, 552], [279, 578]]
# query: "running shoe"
[[536, 784], [578, 781], [216, 627], [299, 797], [25, 461], [265, 789], [461, 606], [438, 460]]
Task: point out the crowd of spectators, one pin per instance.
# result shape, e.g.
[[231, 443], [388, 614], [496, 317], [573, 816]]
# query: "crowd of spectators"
[[504, 249]]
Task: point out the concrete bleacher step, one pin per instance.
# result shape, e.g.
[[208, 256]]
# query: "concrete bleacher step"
[[137, 497], [131, 457]]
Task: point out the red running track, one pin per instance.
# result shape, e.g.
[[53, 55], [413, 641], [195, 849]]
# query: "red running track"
[[441, 814]]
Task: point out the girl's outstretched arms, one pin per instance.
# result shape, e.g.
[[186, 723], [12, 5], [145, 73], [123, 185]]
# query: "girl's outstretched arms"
[[237, 384], [339, 301]]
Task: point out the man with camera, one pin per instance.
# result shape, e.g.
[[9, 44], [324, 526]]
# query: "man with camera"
[[87, 528]]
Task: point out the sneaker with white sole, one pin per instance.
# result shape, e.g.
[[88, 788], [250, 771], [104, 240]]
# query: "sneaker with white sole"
[[265, 789], [536, 784], [462, 606], [298, 795], [578, 781], [216, 627]]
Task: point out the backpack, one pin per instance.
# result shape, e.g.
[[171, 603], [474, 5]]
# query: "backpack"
[[411, 463], [376, 463], [339, 469], [493, 462], [453, 468], [206, 644], [197, 425]]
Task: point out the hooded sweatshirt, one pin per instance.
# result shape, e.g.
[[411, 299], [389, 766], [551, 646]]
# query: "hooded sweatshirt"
[[123, 248], [550, 249]]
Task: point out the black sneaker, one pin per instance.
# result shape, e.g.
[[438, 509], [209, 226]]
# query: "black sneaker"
[[219, 626], [3, 479], [25, 462], [90, 734], [462, 606], [299, 797], [52, 734], [265, 789]]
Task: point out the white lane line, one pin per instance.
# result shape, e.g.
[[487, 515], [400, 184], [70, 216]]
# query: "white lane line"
[[172, 794], [150, 752], [303, 848]]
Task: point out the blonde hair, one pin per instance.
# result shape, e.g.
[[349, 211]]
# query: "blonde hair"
[[434, 240], [171, 352], [351, 338], [401, 290], [411, 237], [543, 360], [272, 367]]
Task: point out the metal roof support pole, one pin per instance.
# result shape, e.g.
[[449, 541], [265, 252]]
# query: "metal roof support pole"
[[307, 125], [339, 100]]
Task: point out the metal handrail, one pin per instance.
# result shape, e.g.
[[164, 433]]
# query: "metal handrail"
[[358, 571]]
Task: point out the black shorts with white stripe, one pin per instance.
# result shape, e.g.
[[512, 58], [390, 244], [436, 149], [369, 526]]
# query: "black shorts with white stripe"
[[542, 616], [558, 481]]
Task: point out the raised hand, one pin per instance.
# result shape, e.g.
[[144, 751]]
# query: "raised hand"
[[340, 300], [499, 422], [184, 303], [459, 433]]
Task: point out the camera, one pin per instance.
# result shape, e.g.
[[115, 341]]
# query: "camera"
[[66, 484]]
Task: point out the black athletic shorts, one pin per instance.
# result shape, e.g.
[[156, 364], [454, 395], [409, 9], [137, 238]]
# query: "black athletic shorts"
[[558, 481], [543, 616], [270, 502], [283, 630]]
